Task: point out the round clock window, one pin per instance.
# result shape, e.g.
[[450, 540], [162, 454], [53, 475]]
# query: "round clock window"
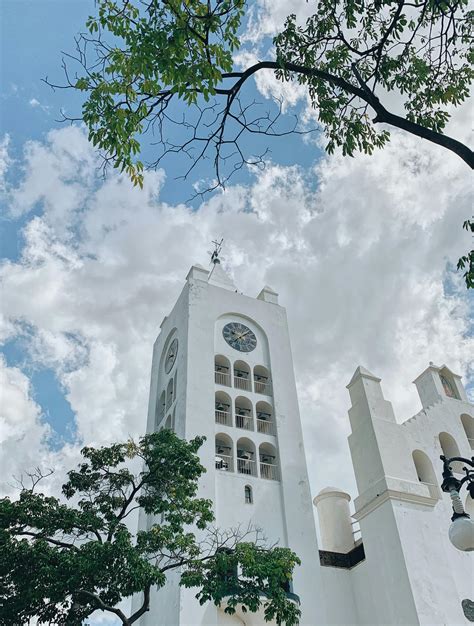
[[239, 337], [171, 355]]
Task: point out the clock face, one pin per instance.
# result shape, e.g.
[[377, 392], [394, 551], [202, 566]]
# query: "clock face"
[[171, 355], [239, 337]]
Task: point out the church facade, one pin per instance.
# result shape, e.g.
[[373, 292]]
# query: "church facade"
[[222, 368]]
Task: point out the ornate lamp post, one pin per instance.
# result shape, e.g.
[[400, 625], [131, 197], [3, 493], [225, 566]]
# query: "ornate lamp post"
[[461, 531]]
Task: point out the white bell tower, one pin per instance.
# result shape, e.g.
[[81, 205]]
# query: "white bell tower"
[[222, 368]]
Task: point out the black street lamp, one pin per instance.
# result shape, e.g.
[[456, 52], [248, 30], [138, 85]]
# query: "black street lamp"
[[461, 531]]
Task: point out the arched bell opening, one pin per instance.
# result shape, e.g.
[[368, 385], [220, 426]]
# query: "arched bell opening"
[[243, 413], [468, 424], [170, 393], [222, 370], [242, 376], [160, 409], [425, 472], [223, 408], [246, 463], [224, 458], [262, 382], [268, 462], [265, 419], [450, 449]]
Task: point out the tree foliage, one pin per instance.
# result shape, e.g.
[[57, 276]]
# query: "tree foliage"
[[61, 560], [355, 57]]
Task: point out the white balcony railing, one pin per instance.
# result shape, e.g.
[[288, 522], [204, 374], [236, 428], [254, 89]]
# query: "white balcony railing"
[[266, 427], [242, 383], [244, 421], [246, 466], [224, 462], [263, 387], [222, 378], [269, 471], [223, 417]]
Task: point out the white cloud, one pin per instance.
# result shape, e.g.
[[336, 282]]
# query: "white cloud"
[[359, 264], [34, 103], [4, 160], [22, 433]]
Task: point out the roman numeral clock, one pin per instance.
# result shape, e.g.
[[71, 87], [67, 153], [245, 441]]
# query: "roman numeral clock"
[[239, 337]]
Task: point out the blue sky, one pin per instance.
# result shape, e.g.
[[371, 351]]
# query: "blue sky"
[[34, 36], [361, 251]]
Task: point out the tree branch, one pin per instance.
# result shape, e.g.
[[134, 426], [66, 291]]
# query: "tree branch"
[[144, 607], [364, 93], [102, 606]]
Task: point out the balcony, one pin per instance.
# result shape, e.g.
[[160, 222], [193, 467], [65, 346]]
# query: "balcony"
[[223, 417], [246, 466], [266, 427], [263, 387], [240, 382], [243, 413], [262, 382], [222, 378], [224, 462], [244, 421], [269, 471]]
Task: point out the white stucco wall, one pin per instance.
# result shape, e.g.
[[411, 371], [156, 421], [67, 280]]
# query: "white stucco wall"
[[411, 575]]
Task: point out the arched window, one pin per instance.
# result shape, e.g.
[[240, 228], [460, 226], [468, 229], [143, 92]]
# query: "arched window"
[[425, 471], [265, 422], [222, 370], [268, 462], [449, 386], [468, 425], [450, 448], [248, 494], [224, 456], [168, 423], [246, 457], [223, 409], [242, 376], [160, 409], [262, 383], [170, 394], [243, 413]]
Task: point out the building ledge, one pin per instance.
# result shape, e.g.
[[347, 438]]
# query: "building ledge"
[[343, 561]]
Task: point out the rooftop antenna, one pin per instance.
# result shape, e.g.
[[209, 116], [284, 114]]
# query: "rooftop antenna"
[[217, 250]]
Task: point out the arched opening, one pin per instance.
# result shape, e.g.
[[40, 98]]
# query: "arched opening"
[[268, 462], [262, 383], [450, 448], [168, 423], [224, 457], [448, 383], [242, 376], [265, 422], [425, 471], [223, 414], [243, 413], [160, 409], [222, 370], [468, 424], [248, 494], [246, 457], [170, 393]]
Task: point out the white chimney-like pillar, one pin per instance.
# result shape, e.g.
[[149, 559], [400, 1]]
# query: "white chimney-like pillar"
[[335, 522]]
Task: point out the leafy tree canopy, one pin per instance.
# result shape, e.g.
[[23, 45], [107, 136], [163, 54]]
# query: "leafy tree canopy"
[[167, 66], [61, 560]]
